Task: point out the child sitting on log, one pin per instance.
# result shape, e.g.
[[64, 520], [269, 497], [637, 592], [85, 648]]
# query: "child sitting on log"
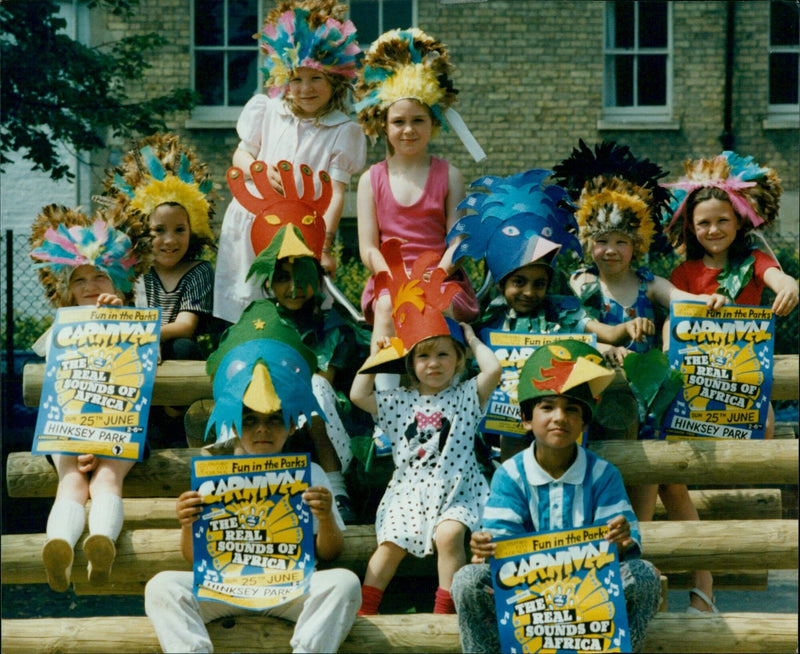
[[262, 385], [555, 484], [86, 261]]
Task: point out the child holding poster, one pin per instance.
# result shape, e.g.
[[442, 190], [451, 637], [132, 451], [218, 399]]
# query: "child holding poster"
[[718, 206], [262, 385], [86, 262], [555, 484], [437, 491], [288, 268]]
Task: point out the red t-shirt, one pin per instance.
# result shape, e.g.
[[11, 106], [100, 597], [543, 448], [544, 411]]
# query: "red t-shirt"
[[695, 277]]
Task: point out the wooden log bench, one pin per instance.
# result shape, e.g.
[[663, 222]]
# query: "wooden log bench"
[[740, 530]]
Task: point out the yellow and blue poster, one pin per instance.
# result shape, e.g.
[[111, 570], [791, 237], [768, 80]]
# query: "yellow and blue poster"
[[513, 349], [254, 539], [725, 357], [560, 591], [98, 382]]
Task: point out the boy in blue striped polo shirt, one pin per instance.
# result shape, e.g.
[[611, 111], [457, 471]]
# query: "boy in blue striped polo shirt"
[[555, 484]]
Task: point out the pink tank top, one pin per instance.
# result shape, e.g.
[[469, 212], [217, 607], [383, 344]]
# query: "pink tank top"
[[423, 225]]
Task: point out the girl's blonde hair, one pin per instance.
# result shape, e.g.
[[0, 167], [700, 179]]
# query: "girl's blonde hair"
[[429, 344]]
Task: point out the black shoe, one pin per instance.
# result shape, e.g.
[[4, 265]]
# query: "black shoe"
[[345, 509]]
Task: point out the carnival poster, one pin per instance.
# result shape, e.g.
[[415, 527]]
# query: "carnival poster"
[[560, 591], [254, 539], [725, 358], [512, 350], [98, 382]]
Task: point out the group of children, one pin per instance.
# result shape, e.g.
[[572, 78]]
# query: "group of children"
[[287, 359]]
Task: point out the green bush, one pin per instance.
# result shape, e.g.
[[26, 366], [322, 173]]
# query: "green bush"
[[26, 330]]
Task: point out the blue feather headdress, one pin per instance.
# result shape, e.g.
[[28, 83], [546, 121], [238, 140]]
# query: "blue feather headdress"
[[297, 37], [518, 221]]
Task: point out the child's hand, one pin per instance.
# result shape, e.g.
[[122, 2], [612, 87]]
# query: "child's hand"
[[87, 463], [274, 177], [619, 532], [482, 546], [786, 298], [188, 507], [320, 501], [615, 356], [638, 328], [380, 343], [108, 300], [716, 301]]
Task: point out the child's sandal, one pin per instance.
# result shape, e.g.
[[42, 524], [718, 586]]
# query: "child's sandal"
[[708, 600], [57, 557], [100, 552]]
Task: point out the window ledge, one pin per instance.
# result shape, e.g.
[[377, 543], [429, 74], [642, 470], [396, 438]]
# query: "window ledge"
[[781, 122], [638, 125], [206, 123]]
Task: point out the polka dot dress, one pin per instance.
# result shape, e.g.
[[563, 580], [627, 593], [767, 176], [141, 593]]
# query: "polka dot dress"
[[436, 474]]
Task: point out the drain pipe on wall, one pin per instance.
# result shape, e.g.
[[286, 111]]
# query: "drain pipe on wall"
[[726, 138]]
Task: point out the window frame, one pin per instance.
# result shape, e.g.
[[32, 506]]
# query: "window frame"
[[205, 116], [786, 116], [637, 116]]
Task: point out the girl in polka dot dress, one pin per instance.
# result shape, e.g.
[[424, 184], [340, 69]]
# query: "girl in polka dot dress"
[[437, 491]]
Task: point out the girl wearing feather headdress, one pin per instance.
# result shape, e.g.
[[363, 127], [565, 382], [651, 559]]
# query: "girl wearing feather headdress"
[[405, 93], [717, 208], [86, 261], [262, 387], [173, 191], [310, 63]]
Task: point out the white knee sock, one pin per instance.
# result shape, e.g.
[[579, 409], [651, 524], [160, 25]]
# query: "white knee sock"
[[336, 480], [105, 516], [66, 521]]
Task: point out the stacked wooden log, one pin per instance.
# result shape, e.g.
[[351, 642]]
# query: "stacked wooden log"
[[741, 534]]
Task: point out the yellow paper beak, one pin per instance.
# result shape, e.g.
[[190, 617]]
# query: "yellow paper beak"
[[293, 245], [260, 394]]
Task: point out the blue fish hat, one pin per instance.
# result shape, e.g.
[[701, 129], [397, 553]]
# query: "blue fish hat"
[[262, 364], [515, 222]]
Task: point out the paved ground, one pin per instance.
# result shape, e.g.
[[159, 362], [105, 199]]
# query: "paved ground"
[[780, 596]]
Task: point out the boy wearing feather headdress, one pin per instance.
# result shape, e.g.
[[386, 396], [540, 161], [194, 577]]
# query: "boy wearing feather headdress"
[[262, 385]]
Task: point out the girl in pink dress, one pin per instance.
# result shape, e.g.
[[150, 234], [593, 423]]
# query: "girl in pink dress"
[[404, 93]]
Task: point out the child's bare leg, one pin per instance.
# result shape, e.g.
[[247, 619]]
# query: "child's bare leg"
[[452, 556], [678, 504], [72, 484], [643, 500], [383, 325], [328, 459], [383, 564]]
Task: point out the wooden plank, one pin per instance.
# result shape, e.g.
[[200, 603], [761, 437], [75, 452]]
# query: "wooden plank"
[[679, 546], [183, 382], [704, 462], [668, 632]]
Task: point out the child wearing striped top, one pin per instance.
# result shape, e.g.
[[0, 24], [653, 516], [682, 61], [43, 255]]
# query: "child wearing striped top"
[[555, 484]]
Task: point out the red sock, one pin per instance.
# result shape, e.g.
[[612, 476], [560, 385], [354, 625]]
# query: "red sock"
[[443, 603], [370, 600]]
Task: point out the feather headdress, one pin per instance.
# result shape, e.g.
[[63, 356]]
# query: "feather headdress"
[[307, 35], [753, 191], [285, 225], [516, 222], [112, 241], [615, 192], [409, 64], [160, 169]]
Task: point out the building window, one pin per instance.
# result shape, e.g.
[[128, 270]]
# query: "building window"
[[784, 55], [374, 17], [225, 56], [638, 61]]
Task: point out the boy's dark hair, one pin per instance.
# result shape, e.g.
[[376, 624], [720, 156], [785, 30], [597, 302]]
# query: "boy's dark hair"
[[739, 249], [526, 407]]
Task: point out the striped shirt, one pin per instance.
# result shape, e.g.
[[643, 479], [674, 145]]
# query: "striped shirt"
[[525, 499], [194, 292]]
